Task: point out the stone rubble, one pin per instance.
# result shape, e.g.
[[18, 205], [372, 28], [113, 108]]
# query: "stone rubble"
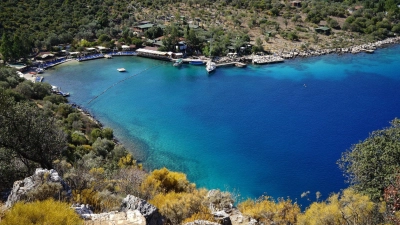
[[22, 187]]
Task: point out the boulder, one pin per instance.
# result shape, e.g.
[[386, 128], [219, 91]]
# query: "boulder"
[[84, 211], [150, 212], [237, 218], [41, 176]]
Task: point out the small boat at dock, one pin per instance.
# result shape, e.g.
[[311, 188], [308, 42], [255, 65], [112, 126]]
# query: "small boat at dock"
[[39, 70], [108, 56], [178, 63], [39, 79], [57, 90], [211, 66], [121, 69], [196, 62], [240, 65]]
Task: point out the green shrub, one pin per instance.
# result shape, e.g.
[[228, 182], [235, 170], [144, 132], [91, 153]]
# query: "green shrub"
[[107, 133], [47, 212], [46, 191], [78, 138], [55, 99]]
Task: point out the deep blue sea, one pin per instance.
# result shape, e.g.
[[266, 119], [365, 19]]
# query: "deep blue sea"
[[272, 129]]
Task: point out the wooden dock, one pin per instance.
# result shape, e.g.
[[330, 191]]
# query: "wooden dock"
[[237, 64]]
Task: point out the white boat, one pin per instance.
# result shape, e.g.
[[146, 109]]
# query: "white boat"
[[39, 70], [211, 66], [178, 62], [108, 56], [121, 69], [57, 90]]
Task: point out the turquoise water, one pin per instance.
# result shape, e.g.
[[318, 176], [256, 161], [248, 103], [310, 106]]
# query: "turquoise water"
[[273, 129]]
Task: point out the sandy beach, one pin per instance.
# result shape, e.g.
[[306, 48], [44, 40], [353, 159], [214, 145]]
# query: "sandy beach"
[[30, 76]]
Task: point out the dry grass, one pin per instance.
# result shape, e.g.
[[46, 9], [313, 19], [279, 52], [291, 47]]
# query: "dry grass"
[[2, 210]]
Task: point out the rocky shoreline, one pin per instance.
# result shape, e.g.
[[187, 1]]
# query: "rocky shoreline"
[[294, 53], [92, 118]]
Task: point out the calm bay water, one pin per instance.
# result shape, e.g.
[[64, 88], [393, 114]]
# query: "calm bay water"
[[273, 129]]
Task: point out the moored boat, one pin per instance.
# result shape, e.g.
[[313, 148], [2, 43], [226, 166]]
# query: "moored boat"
[[240, 65], [57, 90], [39, 70], [211, 66], [178, 62], [196, 62], [39, 79]]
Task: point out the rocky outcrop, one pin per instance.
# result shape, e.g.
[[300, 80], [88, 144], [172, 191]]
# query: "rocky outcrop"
[[130, 217], [41, 176], [150, 212], [201, 222], [84, 211], [237, 218]]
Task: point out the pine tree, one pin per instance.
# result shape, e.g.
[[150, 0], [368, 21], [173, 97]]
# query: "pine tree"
[[6, 47]]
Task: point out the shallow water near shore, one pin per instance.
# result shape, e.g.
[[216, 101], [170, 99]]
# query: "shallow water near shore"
[[272, 129]]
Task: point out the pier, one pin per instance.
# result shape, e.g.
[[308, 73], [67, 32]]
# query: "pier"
[[237, 64], [53, 63], [107, 55]]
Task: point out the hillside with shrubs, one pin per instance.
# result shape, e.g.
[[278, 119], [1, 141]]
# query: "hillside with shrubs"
[[269, 25]]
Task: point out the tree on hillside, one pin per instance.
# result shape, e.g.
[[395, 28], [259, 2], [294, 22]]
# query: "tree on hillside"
[[372, 165], [6, 47], [28, 134], [171, 38], [192, 39]]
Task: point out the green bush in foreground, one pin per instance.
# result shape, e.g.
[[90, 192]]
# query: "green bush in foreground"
[[47, 212]]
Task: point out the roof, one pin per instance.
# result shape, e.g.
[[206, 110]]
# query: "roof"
[[158, 43], [125, 46], [101, 47], [46, 55], [323, 28], [144, 26], [193, 26], [90, 49], [17, 66], [141, 50], [144, 22]]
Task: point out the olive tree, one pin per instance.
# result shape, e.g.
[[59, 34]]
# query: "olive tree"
[[373, 164], [29, 134]]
